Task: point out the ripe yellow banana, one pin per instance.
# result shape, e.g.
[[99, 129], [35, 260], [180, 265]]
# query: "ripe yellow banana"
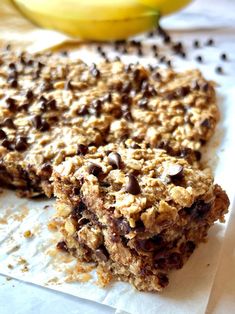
[[91, 19], [165, 6]]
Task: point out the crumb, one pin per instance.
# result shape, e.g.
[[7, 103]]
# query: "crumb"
[[28, 234]]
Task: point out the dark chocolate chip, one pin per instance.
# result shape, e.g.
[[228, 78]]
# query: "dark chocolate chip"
[[7, 144], [219, 70], [199, 59], [107, 97], [163, 279], [82, 149], [94, 169], [77, 210], [223, 57], [206, 123], [175, 170], [115, 160], [21, 144], [76, 190], [175, 261], [82, 111], [2, 134], [143, 103], [51, 104], [68, 85], [62, 246], [46, 170], [8, 122], [29, 94], [205, 87], [13, 82], [196, 44], [132, 185], [199, 209], [11, 104], [210, 42], [183, 91]]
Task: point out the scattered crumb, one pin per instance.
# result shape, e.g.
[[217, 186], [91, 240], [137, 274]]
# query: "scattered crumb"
[[25, 269], [28, 234], [21, 214], [53, 281], [3, 221], [79, 273], [208, 265], [22, 261], [104, 277], [10, 266], [54, 224], [8, 278]]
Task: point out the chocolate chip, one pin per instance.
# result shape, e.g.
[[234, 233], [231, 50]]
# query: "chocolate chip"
[[77, 210], [143, 103], [107, 97], [206, 123], [195, 85], [94, 71], [219, 70], [157, 76], [21, 144], [183, 91], [46, 86], [46, 170], [29, 94], [167, 39], [196, 44], [174, 261], [126, 88], [210, 42], [147, 245], [199, 59], [76, 190], [40, 124], [163, 279], [175, 170], [44, 126], [198, 210], [94, 169], [2, 134], [11, 104], [223, 57], [96, 107], [82, 149], [177, 47], [7, 144], [114, 160], [13, 82], [8, 122], [132, 185], [205, 87], [190, 247], [51, 104], [62, 246], [82, 111], [102, 254]]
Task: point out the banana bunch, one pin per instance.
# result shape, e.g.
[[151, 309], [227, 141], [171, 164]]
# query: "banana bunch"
[[97, 19]]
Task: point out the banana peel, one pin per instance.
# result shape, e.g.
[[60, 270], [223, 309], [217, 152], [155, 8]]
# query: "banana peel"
[[165, 6], [93, 20]]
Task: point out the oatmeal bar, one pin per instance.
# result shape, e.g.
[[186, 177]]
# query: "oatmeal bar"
[[52, 107], [137, 212]]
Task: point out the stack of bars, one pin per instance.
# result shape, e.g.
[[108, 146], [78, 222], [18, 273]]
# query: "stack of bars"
[[119, 146]]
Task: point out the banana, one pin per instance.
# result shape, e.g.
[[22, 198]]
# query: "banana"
[[165, 6], [91, 19]]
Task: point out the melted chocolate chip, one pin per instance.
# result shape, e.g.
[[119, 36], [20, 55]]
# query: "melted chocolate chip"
[[132, 185], [199, 59], [223, 57], [21, 144], [210, 42], [206, 123], [219, 70], [115, 160], [163, 279], [76, 212], [62, 246], [199, 209], [94, 169], [196, 44], [82, 149], [2, 134]]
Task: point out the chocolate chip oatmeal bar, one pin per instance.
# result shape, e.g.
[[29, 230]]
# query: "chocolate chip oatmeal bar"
[[52, 107], [138, 212]]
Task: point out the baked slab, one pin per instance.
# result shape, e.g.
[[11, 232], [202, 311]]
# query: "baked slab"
[[138, 212], [52, 107]]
